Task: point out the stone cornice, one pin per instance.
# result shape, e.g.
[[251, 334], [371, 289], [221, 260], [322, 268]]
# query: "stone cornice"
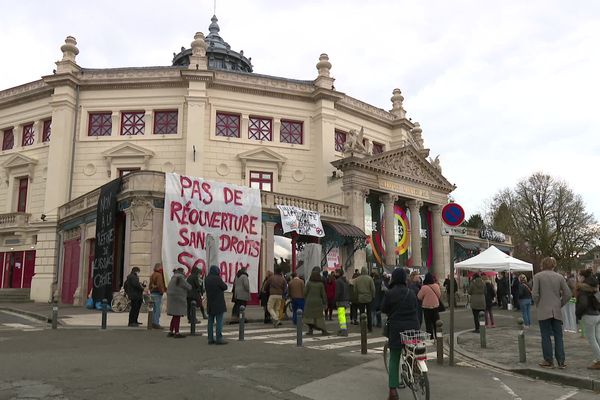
[[197, 75], [24, 93], [327, 94], [403, 123]]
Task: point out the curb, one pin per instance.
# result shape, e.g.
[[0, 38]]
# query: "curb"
[[547, 375], [37, 316]]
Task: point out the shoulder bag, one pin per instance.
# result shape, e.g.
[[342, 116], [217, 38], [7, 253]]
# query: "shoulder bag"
[[441, 306]]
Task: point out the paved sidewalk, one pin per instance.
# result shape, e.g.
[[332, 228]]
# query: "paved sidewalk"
[[502, 352], [78, 316]]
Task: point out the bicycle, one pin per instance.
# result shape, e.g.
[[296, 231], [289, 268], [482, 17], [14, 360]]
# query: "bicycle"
[[121, 303], [413, 366]]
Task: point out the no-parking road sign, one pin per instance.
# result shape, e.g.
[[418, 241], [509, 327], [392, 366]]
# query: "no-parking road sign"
[[453, 214]]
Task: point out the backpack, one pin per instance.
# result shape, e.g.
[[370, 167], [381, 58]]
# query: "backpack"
[[596, 301], [126, 285]]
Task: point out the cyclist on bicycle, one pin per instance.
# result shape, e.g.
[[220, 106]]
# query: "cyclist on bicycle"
[[400, 305]]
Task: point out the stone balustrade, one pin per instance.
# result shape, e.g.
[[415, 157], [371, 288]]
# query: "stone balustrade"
[[14, 220]]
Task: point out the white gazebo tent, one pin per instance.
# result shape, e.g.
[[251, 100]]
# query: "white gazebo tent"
[[495, 260]]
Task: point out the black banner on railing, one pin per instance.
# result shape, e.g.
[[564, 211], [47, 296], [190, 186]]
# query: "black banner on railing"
[[106, 210]]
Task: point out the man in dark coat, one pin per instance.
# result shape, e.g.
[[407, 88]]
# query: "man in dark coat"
[[134, 290], [193, 294], [502, 290], [215, 304]]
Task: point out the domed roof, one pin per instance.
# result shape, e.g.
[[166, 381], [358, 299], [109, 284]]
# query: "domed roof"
[[218, 51]]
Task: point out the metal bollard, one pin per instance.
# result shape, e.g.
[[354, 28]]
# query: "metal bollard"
[[299, 315], [482, 338], [363, 333], [439, 336], [54, 315], [150, 310], [521, 341], [242, 323], [104, 312], [193, 318]]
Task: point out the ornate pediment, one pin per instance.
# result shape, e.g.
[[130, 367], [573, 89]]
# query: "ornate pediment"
[[262, 155], [407, 162], [128, 150], [136, 156], [19, 163]]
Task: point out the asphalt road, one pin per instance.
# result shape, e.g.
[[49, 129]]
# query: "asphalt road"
[[10, 321], [140, 364]]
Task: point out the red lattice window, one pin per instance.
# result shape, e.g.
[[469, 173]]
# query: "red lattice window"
[[8, 139], [291, 132], [46, 130], [340, 140], [165, 122], [132, 123], [228, 125], [378, 148], [261, 180], [100, 124], [260, 128], [28, 135], [22, 195]]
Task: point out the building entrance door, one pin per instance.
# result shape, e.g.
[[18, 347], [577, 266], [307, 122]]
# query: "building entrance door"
[[16, 269], [70, 278]]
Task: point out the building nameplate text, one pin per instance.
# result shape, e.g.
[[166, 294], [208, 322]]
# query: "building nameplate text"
[[404, 189]]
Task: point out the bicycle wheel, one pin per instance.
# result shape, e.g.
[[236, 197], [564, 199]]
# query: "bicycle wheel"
[[119, 303], [420, 385], [386, 357]]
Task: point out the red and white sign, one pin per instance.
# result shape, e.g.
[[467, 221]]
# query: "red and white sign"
[[333, 259], [197, 208]]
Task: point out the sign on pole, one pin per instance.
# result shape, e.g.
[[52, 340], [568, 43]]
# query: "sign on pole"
[[453, 214]]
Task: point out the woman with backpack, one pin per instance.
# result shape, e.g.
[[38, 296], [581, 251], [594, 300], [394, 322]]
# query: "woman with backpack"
[[588, 310]]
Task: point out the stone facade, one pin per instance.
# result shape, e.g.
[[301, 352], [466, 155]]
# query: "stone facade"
[[65, 172]]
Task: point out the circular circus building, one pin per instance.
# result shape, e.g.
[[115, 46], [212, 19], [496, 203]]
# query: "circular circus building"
[[365, 171]]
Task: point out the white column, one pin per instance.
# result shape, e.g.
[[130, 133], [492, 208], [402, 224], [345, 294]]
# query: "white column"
[[414, 207], [437, 241], [388, 216], [354, 198]]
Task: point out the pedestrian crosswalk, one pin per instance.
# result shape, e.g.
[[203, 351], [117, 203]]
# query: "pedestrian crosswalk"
[[287, 336], [19, 327]]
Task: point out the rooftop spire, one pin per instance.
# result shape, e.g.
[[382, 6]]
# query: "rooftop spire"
[[214, 26]]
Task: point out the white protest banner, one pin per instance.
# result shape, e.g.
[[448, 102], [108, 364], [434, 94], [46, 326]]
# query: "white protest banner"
[[197, 209], [301, 221]]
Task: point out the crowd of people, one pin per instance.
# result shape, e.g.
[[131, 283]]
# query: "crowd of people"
[[404, 297]]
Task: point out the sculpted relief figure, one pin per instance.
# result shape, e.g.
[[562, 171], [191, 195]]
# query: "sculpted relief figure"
[[436, 163], [354, 142]]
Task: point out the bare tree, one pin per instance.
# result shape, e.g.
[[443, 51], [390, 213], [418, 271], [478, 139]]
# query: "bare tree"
[[545, 218]]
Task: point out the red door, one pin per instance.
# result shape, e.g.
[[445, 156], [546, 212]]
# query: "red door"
[[29, 268], [70, 271], [17, 269], [2, 268]]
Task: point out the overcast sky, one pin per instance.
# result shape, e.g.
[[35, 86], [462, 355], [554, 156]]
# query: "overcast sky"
[[502, 89]]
